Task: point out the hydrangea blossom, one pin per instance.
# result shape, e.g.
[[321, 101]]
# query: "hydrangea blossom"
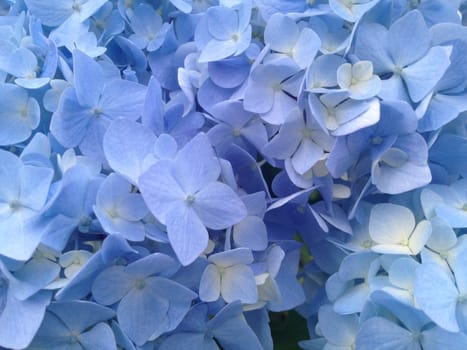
[[172, 173]]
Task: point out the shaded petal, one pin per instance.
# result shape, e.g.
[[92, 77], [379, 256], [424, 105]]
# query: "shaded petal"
[[22, 319], [140, 313], [379, 333], [251, 233], [99, 337], [70, 122], [111, 285]]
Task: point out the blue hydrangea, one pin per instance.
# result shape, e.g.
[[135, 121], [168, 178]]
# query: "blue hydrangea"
[[174, 172]]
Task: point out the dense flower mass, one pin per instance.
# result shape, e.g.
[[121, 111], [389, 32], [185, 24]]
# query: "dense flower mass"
[[173, 171]]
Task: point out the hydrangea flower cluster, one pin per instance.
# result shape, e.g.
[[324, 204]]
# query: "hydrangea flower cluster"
[[171, 171]]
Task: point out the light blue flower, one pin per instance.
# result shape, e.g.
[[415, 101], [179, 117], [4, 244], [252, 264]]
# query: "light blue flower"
[[75, 325], [20, 314], [229, 276], [184, 195], [149, 303], [392, 228], [23, 197], [149, 29], [405, 53], [119, 210], [19, 114], [56, 12], [228, 328], [224, 31], [284, 36], [86, 110]]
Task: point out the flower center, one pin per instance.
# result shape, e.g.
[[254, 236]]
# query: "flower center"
[[140, 284], [190, 199], [14, 205]]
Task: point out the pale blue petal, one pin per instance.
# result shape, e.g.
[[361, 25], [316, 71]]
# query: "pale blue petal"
[[443, 236], [27, 236], [35, 275], [390, 223], [210, 284], [153, 264], [112, 285], [187, 234], [408, 39], [338, 329], [188, 341], [232, 257], [70, 122], [231, 330], [196, 165], [126, 145], [10, 171], [183, 5], [251, 233], [230, 72], [35, 183], [140, 313], [306, 47], [258, 98], [99, 337], [420, 236], [436, 294], [218, 206], [380, 333], [19, 114], [437, 338], [238, 283], [22, 319], [456, 217], [402, 272], [79, 314], [114, 105], [222, 22], [180, 301], [161, 192], [52, 13], [88, 79], [216, 50], [459, 268], [370, 44], [23, 63], [89, 8], [406, 168], [422, 76], [306, 155], [281, 33]]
